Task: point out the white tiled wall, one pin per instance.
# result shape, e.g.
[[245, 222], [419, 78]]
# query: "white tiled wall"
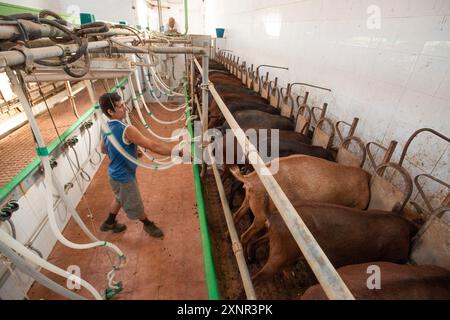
[[396, 79]]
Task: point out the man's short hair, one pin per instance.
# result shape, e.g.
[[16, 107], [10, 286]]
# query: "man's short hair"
[[107, 102]]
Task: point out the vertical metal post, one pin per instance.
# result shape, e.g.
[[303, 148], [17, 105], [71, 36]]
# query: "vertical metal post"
[[116, 82], [19, 91], [90, 88], [71, 98], [235, 243], [133, 99], [205, 82], [353, 127], [205, 100], [160, 16], [192, 66]]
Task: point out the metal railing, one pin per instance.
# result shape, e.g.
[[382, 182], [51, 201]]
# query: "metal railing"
[[326, 274]]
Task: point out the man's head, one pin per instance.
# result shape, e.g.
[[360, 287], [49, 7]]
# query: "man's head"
[[171, 22], [112, 106]]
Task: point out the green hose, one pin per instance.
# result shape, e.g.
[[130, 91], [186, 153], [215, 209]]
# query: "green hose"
[[186, 23], [211, 281]]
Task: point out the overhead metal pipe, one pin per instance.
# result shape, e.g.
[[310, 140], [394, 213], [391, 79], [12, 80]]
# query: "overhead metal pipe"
[[112, 33], [309, 85], [61, 76], [14, 57], [168, 41], [9, 30], [269, 66], [235, 243], [188, 50]]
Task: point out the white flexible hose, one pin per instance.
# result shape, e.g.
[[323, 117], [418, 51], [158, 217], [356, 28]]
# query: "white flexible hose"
[[136, 77], [25, 252], [144, 123], [152, 92], [52, 218], [156, 81], [106, 130], [165, 86], [82, 225], [144, 151], [155, 160], [171, 93], [71, 208]]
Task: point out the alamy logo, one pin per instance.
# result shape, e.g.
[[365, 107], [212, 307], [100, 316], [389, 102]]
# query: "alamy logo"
[[73, 11], [74, 281], [374, 280], [374, 20], [262, 144]]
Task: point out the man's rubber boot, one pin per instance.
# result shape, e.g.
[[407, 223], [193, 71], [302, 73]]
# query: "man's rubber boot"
[[115, 227], [153, 230]]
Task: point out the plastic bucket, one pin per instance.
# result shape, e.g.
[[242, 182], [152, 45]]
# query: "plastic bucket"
[[220, 32]]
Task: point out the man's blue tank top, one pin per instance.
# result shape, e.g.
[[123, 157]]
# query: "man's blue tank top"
[[120, 169]]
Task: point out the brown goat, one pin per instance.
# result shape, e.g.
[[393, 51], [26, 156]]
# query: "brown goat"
[[302, 178], [346, 235], [398, 282], [214, 110]]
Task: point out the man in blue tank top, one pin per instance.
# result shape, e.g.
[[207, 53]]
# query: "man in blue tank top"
[[121, 171]]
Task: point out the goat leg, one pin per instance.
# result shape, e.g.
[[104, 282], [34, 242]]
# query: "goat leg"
[[253, 246]]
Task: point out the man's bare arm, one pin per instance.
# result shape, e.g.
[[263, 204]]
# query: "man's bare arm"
[[103, 148], [133, 135]]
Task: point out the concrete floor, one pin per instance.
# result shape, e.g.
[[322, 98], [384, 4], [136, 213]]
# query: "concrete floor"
[[171, 268]]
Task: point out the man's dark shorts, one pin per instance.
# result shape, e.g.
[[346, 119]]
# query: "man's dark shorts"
[[129, 197]]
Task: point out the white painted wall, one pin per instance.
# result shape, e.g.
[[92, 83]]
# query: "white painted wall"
[[37, 4], [195, 15], [132, 11], [111, 10], [396, 79]]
